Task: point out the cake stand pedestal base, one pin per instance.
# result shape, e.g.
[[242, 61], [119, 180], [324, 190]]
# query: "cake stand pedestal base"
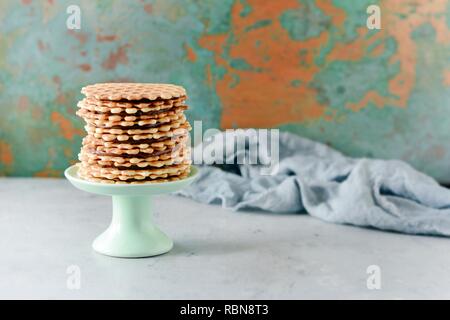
[[132, 233]]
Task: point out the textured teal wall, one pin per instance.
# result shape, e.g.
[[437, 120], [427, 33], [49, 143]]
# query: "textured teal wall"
[[311, 67]]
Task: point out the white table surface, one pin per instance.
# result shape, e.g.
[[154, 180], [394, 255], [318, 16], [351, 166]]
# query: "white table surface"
[[46, 225]]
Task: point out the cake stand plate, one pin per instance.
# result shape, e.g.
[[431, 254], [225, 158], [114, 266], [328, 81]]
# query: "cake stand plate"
[[132, 233]]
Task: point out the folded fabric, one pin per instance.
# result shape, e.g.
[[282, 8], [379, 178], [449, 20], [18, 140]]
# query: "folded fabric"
[[312, 177]]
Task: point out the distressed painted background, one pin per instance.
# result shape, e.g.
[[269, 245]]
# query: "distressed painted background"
[[311, 67]]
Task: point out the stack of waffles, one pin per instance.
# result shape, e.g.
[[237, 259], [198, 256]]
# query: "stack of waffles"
[[136, 133]]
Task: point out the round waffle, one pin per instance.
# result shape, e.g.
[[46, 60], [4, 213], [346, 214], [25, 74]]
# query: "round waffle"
[[177, 154], [89, 115], [135, 124], [149, 147], [92, 113], [129, 107], [163, 178], [139, 127], [123, 175], [133, 91], [168, 130], [132, 122]]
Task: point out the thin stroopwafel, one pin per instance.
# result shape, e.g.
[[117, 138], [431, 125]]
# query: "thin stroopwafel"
[[166, 157], [133, 91], [115, 107], [106, 126], [120, 174], [160, 132], [178, 175]]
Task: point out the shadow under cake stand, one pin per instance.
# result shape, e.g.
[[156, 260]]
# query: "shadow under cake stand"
[[132, 233]]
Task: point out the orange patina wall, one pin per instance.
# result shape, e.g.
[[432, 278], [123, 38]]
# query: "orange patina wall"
[[308, 66]]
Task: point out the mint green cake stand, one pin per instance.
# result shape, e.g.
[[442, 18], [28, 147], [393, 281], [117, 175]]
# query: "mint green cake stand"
[[132, 233]]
